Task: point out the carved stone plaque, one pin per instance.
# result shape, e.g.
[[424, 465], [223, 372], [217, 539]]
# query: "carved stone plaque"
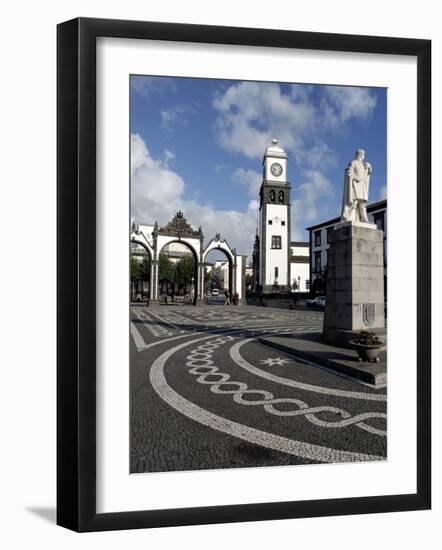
[[368, 314]]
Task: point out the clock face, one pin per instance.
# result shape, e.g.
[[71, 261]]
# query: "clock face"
[[276, 169]]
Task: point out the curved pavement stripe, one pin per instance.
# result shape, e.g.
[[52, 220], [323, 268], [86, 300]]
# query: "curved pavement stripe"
[[258, 437], [238, 389], [240, 361], [215, 330]]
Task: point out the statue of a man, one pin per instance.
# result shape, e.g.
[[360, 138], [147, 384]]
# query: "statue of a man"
[[356, 183]]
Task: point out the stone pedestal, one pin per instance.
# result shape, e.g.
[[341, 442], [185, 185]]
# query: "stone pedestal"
[[355, 282]]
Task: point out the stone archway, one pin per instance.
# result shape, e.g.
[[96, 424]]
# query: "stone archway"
[[154, 238], [138, 238], [178, 230], [237, 265], [163, 244]]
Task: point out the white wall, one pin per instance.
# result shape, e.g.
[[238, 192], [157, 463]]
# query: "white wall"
[[147, 231], [193, 244], [300, 250], [276, 257], [27, 405], [221, 269], [282, 161], [303, 272]]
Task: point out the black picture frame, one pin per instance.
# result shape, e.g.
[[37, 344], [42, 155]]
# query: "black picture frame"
[[76, 274]]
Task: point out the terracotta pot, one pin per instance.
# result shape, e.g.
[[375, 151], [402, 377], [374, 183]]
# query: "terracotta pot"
[[367, 353]]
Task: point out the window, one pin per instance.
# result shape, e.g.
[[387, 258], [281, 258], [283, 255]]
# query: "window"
[[317, 262], [283, 222], [329, 232], [276, 241], [270, 222], [379, 220], [326, 257], [281, 196], [318, 238], [276, 274], [272, 195]]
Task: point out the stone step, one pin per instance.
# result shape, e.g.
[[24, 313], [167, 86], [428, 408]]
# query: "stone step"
[[341, 360]]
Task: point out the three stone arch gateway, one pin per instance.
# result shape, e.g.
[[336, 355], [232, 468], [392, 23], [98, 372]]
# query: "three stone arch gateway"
[[155, 238]]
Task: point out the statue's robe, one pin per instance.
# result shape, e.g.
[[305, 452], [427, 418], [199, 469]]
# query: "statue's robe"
[[356, 184]]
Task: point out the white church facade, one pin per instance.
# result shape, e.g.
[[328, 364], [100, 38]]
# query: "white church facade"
[[279, 264]]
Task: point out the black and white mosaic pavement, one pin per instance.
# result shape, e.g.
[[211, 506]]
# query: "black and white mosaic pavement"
[[206, 394]]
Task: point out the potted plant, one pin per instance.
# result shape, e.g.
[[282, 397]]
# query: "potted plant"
[[368, 345]]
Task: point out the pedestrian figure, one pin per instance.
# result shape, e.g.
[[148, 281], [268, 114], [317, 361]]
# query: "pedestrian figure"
[[235, 299], [227, 296]]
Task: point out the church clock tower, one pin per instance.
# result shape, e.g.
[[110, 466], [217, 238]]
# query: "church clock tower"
[[274, 221]]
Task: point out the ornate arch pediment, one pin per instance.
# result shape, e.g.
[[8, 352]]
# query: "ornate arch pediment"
[[179, 227], [218, 243]]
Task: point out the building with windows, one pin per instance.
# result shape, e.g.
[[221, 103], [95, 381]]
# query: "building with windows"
[[300, 265], [274, 221], [279, 264], [219, 274], [320, 241]]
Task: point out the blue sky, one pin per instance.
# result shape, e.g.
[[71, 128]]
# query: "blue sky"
[[197, 145]]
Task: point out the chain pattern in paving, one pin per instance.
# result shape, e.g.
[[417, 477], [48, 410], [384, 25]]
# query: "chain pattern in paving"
[[206, 394]]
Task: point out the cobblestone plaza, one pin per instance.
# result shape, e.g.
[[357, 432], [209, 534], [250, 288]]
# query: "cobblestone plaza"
[[206, 393]]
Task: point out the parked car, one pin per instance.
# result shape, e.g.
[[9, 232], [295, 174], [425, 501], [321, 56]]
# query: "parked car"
[[215, 292], [319, 301]]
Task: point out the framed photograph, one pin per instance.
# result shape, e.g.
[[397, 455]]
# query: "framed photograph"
[[244, 245]]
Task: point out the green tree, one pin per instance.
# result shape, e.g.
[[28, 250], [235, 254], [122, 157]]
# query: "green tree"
[[184, 270], [134, 269], [140, 269], [166, 268], [139, 274], [144, 268]]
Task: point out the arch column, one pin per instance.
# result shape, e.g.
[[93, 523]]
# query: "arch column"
[[200, 289], [234, 268], [242, 278], [154, 270]]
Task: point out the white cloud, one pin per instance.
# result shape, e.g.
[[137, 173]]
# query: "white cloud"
[[238, 228], [320, 156], [250, 114], [168, 156], [313, 199], [249, 178], [301, 91], [145, 86], [157, 193], [339, 104], [179, 114], [153, 184]]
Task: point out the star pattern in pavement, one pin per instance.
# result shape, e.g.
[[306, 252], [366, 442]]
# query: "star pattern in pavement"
[[275, 361]]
